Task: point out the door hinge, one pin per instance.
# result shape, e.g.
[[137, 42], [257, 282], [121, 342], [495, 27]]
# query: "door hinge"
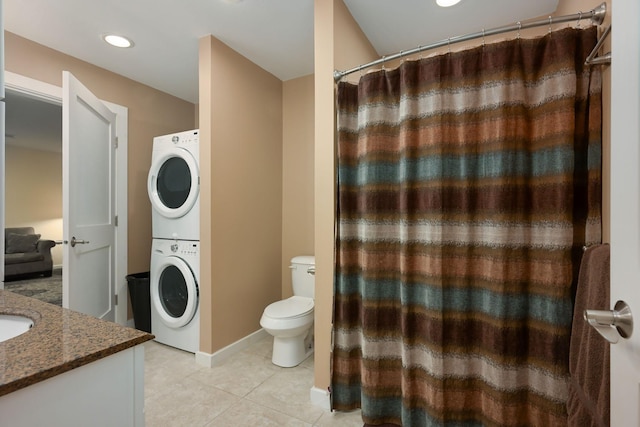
[[117, 142], [115, 221], [116, 299]]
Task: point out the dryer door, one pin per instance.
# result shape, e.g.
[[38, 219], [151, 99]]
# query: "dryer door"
[[173, 184], [174, 292]]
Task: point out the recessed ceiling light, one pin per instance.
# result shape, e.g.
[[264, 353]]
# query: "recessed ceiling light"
[[447, 3], [117, 41]]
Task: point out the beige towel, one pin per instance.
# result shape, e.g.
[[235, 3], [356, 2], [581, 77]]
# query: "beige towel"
[[588, 403]]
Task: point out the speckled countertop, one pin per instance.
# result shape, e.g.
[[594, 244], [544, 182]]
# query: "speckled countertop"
[[59, 341]]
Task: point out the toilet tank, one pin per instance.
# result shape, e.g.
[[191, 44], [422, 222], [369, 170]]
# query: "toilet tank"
[[303, 282]]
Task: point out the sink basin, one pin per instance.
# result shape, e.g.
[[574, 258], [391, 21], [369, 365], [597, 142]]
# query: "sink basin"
[[11, 326]]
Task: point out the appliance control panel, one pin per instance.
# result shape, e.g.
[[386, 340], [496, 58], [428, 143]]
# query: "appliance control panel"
[[185, 248]]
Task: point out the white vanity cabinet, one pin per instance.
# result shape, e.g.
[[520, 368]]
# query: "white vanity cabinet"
[[106, 393]]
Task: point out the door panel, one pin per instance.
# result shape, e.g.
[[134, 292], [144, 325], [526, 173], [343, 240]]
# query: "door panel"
[[88, 160], [625, 206]]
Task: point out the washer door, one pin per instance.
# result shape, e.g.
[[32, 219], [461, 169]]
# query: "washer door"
[[173, 183], [174, 295]]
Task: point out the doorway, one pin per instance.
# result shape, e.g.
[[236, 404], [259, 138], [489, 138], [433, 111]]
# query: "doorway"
[[51, 94], [33, 171]]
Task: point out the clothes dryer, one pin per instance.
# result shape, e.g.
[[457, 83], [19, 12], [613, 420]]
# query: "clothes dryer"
[[174, 281], [174, 186]]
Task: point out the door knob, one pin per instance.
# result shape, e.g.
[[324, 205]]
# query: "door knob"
[[612, 324], [75, 242]]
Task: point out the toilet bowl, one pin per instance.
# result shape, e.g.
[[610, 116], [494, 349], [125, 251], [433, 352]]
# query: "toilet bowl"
[[290, 321]]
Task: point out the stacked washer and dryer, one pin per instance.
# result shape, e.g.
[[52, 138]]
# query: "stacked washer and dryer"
[[174, 191]]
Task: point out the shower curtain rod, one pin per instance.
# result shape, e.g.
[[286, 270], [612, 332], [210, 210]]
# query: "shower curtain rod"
[[596, 15]]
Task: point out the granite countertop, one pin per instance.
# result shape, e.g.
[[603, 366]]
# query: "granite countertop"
[[59, 341]]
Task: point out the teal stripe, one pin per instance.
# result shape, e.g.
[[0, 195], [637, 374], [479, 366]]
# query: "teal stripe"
[[490, 165], [504, 306], [346, 394], [380, 408]]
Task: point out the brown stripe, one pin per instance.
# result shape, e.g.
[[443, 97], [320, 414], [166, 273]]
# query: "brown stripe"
[[455, 399], [497, 270], [546, 201], [509, 343]]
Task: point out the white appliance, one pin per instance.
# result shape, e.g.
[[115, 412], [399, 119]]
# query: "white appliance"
[[175, 305], [174, 186]]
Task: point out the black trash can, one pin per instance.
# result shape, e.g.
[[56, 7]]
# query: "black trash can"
[[139, 293]]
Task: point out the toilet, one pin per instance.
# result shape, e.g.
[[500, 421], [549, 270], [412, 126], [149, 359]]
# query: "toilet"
[[290, 321]]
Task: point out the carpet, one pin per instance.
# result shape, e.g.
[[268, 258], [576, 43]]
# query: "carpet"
[[47, 289]]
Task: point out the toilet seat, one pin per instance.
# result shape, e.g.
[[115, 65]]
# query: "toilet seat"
[[290, 308]]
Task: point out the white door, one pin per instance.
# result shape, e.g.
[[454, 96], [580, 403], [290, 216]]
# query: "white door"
[[88, 162], [625, 206]]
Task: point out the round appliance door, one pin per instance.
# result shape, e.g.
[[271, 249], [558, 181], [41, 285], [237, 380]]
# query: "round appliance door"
[[173, 183], [175, 294]]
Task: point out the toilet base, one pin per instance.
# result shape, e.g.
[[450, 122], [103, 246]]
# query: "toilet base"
[[291, 351]]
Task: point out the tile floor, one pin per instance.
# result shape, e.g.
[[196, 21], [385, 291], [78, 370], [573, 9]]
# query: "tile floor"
[[245, 390]]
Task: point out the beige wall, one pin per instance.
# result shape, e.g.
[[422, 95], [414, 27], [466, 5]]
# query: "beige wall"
[[241, 194], [297, 174], [339, 45], [151, 113], [33, 195]]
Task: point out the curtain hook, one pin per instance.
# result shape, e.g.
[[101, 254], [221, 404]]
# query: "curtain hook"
[[550, 22], [401, 56], [449, 44], [384, 60], [519, 28], [579, 19], [483, 40]]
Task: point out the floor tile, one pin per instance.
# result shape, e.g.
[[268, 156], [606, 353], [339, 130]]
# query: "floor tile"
[[186, 403], [166, 365], [239, 374], [246, 413], [263, 348], [307, 363], [288, 391], [245, 390]]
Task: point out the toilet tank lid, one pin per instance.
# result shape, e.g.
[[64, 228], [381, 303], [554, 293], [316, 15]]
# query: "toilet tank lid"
[[304, 259]]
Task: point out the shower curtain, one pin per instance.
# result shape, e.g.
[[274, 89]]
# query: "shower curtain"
[[468, 184]]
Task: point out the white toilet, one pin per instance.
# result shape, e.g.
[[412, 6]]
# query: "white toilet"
[[290, 321]]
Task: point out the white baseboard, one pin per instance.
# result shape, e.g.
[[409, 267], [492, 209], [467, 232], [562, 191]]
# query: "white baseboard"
[[320, 398], [210, 360]]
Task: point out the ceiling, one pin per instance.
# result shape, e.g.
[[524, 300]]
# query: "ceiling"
[[275, 34]]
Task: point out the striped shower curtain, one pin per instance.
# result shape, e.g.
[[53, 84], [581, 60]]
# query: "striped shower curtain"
[[468, 184]]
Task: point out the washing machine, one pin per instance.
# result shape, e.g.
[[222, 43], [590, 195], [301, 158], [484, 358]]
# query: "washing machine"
[[174, 186], [175, 305]]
